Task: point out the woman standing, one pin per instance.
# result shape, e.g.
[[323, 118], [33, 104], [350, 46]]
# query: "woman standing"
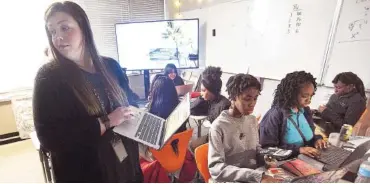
[[79, 97]]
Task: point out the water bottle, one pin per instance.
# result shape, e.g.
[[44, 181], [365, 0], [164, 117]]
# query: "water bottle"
[[363, 175]]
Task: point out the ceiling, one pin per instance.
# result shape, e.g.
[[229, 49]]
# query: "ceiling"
[[187, 5]]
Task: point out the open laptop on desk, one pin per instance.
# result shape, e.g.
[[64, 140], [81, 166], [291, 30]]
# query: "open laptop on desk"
[[335, 157], [152, 130], [184, 89], [324, 177]]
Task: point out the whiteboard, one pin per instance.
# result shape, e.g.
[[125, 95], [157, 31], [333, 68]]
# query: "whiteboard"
[[351, 47], [285, 36], [226, 48]]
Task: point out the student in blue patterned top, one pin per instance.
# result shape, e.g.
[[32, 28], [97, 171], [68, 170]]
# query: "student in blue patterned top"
[[289, 124]]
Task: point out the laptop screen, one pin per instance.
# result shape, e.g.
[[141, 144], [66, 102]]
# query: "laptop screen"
[[324, 177], [177, 117], [359, 152], [184, 89]]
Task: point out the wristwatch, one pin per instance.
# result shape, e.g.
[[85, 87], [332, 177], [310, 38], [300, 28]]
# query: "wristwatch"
[[106, 121]]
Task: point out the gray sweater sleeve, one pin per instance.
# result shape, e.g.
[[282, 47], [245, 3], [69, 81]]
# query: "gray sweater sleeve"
[[218, 168]]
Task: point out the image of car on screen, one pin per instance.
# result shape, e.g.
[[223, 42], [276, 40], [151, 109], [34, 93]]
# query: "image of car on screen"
[[163, 54]]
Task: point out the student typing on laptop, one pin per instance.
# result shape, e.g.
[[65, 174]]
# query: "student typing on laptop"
[[288, 124], [233, 139]]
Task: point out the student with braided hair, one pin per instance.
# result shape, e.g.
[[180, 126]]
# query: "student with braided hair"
[[233, 139], [346, 105], [289, 124]]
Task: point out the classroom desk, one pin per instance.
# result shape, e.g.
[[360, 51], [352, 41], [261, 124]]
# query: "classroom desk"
[[199, 121], [357, 140], [7, 118]]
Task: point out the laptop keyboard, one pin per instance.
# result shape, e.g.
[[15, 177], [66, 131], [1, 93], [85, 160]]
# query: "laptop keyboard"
[[148, 130], [333, 155]]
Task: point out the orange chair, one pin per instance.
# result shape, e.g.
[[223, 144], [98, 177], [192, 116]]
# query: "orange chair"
[[362, 125], [169, 160], [201, 158]]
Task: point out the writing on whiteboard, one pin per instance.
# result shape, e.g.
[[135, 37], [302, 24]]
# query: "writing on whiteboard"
[[295, 20], [361, 1], [360, 25]]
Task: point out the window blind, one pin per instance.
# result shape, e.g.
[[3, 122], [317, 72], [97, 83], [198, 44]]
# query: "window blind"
[[145, 10], [104, 14], [24, 39]]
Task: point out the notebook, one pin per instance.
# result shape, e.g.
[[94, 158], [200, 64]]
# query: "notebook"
[[279, 173], [299, 168]]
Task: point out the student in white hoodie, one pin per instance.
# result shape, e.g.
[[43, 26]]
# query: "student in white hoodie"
[[233, 139]]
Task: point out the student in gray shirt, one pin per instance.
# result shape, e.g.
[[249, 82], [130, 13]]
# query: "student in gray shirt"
[[233, 139]]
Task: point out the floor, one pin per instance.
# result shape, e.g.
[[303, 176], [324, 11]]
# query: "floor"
[[20, 163]]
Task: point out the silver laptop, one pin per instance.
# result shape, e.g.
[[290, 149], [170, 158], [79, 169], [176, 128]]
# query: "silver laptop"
[[184, 89], [152, 130]]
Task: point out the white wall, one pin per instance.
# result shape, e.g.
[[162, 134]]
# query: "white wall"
[[265, 100], [202, 33], [194, 9]]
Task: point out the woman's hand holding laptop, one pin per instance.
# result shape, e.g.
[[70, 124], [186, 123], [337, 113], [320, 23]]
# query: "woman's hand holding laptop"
[[120, 115]]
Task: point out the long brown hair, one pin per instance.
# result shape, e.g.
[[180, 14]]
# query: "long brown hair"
[[71, 73]]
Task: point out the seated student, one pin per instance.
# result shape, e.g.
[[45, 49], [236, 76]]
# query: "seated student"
[[346, 105], [164, 100], [151, 85], [233, 139], [171, 71], [211, 103], [289, 124]]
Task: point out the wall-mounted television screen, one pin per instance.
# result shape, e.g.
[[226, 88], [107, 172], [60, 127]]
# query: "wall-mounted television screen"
[[154, 44]]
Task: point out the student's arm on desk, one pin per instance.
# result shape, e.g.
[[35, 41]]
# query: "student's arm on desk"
[[218, 168], [199, 107]]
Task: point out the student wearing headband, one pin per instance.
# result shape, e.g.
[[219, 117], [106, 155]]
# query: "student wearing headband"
[[211, 103]]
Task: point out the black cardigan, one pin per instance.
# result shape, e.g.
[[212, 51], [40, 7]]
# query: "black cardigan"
[[73, 136], [211, 109]]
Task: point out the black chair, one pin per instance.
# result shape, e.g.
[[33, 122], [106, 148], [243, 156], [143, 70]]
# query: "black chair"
[[47, 166]]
